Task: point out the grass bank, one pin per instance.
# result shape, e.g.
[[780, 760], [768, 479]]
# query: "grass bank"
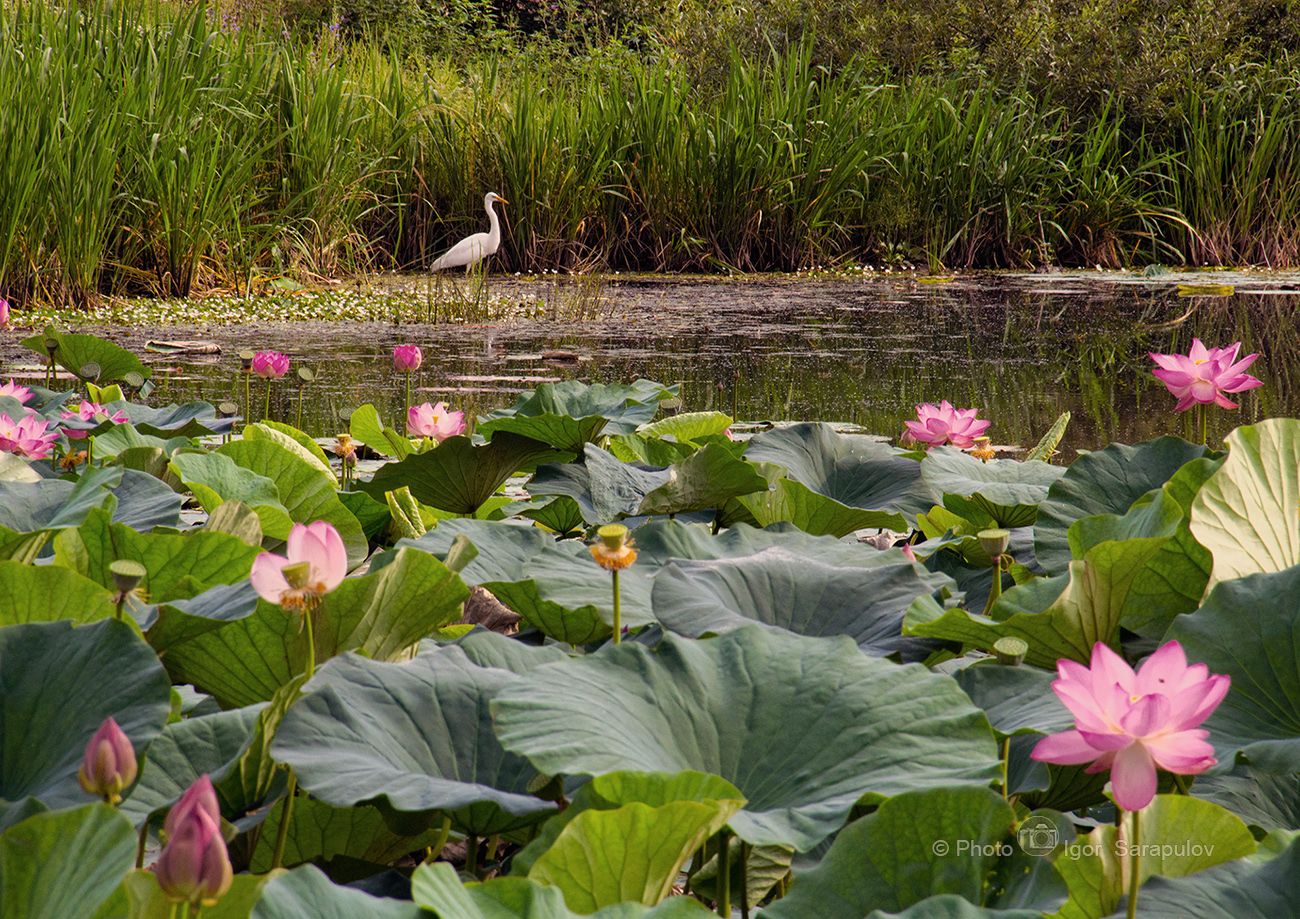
[[160, 154]]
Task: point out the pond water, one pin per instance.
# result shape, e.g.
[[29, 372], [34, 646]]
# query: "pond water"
[[1022, 348]]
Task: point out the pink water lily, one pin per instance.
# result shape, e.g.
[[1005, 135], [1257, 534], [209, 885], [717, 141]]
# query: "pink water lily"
[[316, 563], [14, 391], [1130, 723], [1205, 376], [434, 421], [407, 358], [109, 764], [4, 313], [29, 436], [940, 424], [270, 364], [91, 412], [194, 866]]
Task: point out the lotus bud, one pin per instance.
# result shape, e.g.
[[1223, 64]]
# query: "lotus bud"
[[994, 542], [4, 313], [200, 796], [407, 358], [109, 764], [194, 866]]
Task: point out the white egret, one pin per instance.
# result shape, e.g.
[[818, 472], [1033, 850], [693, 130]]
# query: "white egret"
[[473, 249]]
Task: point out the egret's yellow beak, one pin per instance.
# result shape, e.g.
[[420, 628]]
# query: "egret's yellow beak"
[[501, 200]]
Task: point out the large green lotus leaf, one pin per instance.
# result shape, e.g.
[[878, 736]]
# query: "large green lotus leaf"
[[895, 858], [1238, 890], [381, 614], [366, 427], [45, 593], [555, 586], [22, 547], [623, 406], [76, 351], [216, 479], [1006, 490], [178, 566], [64, 864], [146, 900], [951, 906], [53, 504], [288, 436], [705, 480], [1180, 836], [660, 541], [58, 684], [1104, 482], [1246, 513], [729, 706], [320, 832], [687, 427], [1016, 699], [118, 438], [193, 419], [307, 892], [559, 515], [558, 431], [437, 887], [1060, 617], [1261, 799], [635, 448], [1173, 581], [1248, 629], [853, 470], [791, 592], [458, 476], [16, 469], [788, 501], [257, 777], [492, 649], [634, 852], [307, 492], [185, 750], [604, 487], [412, 736], [145, 502], [616, 789]]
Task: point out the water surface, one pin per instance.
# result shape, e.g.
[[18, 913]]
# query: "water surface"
[[1022, 349]]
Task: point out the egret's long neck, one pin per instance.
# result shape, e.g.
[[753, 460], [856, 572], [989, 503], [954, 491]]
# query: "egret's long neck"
[[494, 226]]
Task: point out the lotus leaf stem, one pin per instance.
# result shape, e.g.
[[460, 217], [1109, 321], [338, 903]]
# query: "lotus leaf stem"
[[440, 843], [282, 834], [140, 845], [471, 854], [724, 874], [744, 879]]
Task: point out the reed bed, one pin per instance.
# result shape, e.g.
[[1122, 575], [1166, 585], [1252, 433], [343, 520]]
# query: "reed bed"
[[149, 152]]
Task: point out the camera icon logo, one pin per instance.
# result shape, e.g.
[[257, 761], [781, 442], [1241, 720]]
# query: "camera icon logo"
[[1037, 836]]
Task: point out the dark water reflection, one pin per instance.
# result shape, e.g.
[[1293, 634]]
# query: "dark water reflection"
[[1022, 349]]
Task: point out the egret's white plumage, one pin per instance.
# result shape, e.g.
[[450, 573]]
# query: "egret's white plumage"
[[473, 249]]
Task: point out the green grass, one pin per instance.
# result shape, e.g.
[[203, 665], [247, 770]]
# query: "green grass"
[[151, 153]]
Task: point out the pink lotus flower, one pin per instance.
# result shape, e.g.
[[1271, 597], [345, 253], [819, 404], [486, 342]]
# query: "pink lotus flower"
[[109, 763], [4, 313], [1205, 375], [29, 436], [1130, 723], [91, 412], [434, 421], [194, 866], [14, 391], [407, 358], [942, 424], [317, 563], [270, 364]]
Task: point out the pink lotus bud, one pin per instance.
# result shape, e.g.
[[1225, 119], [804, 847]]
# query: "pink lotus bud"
[[909, 552], [108, 765], [4, 313], [407, 358], [270, 364], [194, 866], [200, 796]]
